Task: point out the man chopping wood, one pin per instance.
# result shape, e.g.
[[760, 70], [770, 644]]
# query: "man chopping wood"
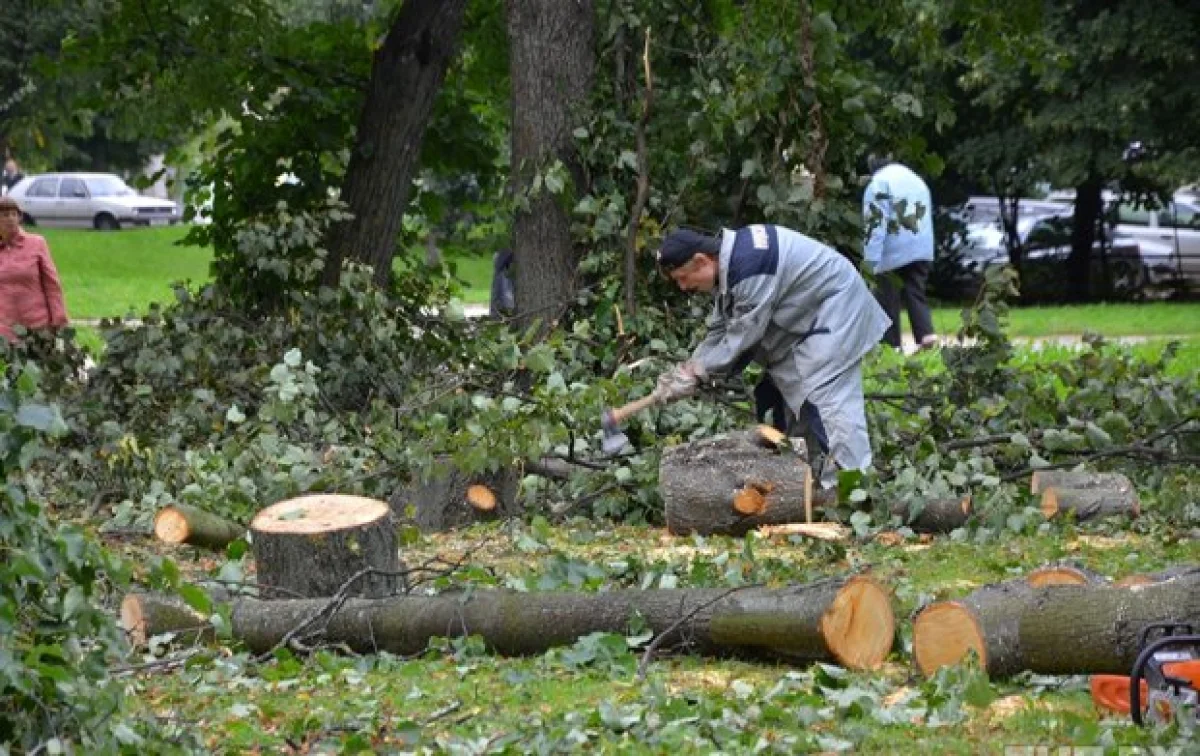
[[799, 307]]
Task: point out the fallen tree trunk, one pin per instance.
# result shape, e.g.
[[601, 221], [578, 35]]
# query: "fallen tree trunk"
[[845, 620], [1056, 629], [1040, 480], [312, 545], [1089, 503], [731, 485], [179, 523]]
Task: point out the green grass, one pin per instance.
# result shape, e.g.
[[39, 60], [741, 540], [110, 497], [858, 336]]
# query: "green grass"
[[111, 274]]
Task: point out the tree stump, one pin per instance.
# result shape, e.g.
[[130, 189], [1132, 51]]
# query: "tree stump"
[[731, 484], [447, 498], [311, 546], [179, 523], [847, 620], [1040, 480], [1064, 574], [1089, 503]]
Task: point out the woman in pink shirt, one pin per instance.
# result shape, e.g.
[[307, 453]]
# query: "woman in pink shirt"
[[30, 292]]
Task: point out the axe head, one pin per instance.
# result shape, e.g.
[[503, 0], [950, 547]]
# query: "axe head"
[[614, 439]]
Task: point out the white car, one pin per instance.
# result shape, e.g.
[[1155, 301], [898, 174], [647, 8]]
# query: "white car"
[[89, 200], [1176, 227]]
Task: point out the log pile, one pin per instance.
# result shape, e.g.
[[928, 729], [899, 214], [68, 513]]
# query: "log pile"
[[1055, 622], [1086, 495]]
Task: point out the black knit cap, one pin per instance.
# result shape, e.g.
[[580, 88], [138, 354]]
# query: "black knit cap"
[[682, 244]]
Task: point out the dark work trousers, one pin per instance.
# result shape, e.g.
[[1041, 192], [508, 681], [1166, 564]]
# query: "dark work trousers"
[[912, 292], [768, 398]]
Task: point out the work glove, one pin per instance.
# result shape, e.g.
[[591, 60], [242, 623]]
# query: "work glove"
[[678, 382]]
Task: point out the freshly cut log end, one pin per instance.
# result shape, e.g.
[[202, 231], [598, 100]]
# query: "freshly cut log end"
[[145, 615], [1040, 480], [770, 437], [943, 634], [859, 626], [319, 513], [182, 524], [311, 546], [752, 500], [1062, 574], [1131, 581], [481, 498], [1089, 503]]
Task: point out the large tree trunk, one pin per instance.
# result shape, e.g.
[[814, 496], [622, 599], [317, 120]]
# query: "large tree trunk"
[[313, 545], [844, 620], [1058, 629], [1089, 205], [406, 74], [552, 62]]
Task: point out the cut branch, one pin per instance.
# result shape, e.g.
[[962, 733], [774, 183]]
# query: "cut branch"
[[179, 523]]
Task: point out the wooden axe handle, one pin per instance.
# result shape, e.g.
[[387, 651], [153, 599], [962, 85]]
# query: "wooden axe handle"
[[620, 414]]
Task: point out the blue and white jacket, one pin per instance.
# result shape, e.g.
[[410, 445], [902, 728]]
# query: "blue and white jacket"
[[890, 245]]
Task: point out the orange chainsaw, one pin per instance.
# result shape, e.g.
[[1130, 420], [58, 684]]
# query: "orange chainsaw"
[[1165, 680]]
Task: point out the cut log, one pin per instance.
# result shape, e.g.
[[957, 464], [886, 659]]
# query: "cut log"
[[441, 500], [1040, 480], [179, 523], [770, 437], [481, 497], [1089, 503], [1094, 629], [1064, 574], [1156, 577], [937, 516], [701, 483], [145, 615], [312, 545], [844, 620], [1058, 629]]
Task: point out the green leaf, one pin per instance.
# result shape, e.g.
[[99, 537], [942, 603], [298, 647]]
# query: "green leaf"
[[37, 416], [196, 598]]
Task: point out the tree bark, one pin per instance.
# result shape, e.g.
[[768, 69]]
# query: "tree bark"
[[1089, 205], [844, 620], [179, 523], [937, 516], [700, 482], [406, 74], [440, 501], [145, 615], [311, 546], [1053, 630], [1089, 503], [1040, 480], [552, 64]]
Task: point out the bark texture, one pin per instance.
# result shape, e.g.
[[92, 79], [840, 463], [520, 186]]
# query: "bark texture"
[[439, 502], [844, 620], [310, 547], [406, 74], [1051, 630], [1040, 480], [552, 64], [1089, 503], [937, 516], [700, 480], [179, 523], [145, 615]]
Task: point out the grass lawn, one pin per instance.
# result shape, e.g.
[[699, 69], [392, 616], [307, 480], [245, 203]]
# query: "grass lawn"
[[111, 274], [108, 274]]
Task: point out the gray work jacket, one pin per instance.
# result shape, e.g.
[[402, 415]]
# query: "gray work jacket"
[[800, 306]]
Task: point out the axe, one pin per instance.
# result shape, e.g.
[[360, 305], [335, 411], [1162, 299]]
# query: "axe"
[[610, 422]]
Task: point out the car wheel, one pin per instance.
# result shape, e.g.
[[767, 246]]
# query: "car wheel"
[[1128, 278], [105, 222]]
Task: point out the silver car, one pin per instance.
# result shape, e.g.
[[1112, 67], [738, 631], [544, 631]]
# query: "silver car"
[[89, 200]]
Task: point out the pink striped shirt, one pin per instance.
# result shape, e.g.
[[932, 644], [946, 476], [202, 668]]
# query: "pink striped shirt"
[[30, 291]]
